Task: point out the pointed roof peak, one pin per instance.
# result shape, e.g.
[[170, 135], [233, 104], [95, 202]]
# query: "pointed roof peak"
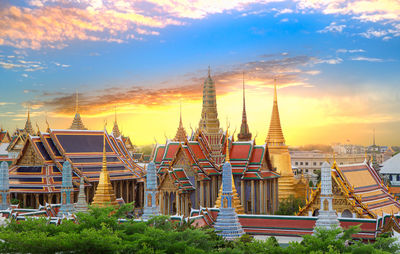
[[116, 132], [28, 125], [209, 71], [180, 135], [244, 134], [275, 135], [76, 102]]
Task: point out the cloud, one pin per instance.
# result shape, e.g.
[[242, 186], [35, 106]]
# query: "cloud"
[[336, 60], [54, 23], [364, 10], [368, 59], [259, 74], [350, 51], [20, 63], [333, 27], [2, 103], [24, 75]]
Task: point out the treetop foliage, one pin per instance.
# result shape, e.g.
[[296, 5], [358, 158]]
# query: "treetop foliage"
[[99, 231]]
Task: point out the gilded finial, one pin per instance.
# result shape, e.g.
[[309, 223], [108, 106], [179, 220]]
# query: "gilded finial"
[[209, 71], [275, 93], [76, 101], [38, 129], [104, 168], [227, 159]]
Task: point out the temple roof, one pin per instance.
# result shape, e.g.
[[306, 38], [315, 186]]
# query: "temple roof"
[[391, 166], [82, 148], [180, 135], [364, 190], [247, 159], [275, 135], [4, 136]]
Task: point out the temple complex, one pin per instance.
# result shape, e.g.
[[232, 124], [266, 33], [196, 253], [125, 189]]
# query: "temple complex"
[[280, 156], [190, 170], [35, 175], [358, 191]]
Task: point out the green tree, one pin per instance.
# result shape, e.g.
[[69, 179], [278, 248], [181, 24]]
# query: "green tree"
[[290, 205]]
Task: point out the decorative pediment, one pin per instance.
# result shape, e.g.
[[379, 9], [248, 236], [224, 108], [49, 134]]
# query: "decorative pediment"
[[29, 156], [168, 183], [182, 161]]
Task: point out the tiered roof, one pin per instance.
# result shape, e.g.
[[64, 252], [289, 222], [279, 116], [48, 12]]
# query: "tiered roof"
[[363, 190], [247, 159], [38, 167]]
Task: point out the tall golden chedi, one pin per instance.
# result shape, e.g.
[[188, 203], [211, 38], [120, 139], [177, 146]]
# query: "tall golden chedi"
[[209, 122], [280, 156], [104, 195]]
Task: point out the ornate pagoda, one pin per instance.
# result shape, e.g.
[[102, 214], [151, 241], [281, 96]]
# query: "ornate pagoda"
[[280, 156], [104, 195], [77, 123]]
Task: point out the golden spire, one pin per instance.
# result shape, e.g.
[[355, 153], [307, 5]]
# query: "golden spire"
[[227, 148], [77, 123], [115, 131], [28, 125], [180, 135], [275, 135], [244, 134], [76, 102], [104, 195]]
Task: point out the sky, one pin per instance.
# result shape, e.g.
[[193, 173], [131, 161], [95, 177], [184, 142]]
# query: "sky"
[[336, 64]]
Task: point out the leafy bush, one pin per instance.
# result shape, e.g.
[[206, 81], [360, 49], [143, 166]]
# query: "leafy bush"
[[99, 232], [290, 205]]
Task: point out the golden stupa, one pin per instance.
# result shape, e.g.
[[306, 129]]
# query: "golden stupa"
[[236, 200], [104, 195], [280, 156]]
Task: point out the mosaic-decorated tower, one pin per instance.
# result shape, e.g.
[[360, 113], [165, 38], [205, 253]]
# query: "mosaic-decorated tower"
[[81, 205], [4, 186], [67, 190], [150, 207], [327, 217], [209, 122], [227, 224]]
